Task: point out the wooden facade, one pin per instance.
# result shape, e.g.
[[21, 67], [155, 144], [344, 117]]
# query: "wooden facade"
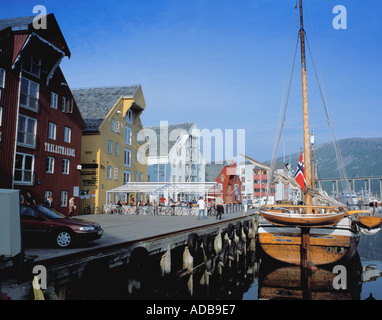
[[40, 124], [229, 184]]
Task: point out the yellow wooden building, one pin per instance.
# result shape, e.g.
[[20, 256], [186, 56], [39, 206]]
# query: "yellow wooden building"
[[110, 155]]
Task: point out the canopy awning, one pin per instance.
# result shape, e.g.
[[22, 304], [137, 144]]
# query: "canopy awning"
[[162, 187]]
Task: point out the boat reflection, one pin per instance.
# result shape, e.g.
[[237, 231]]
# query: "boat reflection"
[[278, 281]]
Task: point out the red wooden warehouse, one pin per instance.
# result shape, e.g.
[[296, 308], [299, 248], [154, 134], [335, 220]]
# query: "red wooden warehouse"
[[229, 184], [40, 124]]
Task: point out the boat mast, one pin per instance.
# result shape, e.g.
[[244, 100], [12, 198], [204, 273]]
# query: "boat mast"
[[308, 178]]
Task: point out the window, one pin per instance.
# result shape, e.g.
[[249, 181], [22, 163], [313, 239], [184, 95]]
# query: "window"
[[26, 133], [1, 115], [2, 78], [128, 133], [129, 116], [126, 176], [29, 94], [49, 165], [112, 125], [52, 131], [116, 149], [53, 100], [32, 65], [24, 165], [127, 157], [108, 172], [65, 166], [220, 186], [136, 176], [141, 176], [63, 104], [109, 146], [116, 173], [47, 194], [68, 135], [64, 198], [139, 137]]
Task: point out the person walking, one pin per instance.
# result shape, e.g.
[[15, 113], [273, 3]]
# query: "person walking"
[[202, 207], [219, 207], [71, 206], [245, 204]]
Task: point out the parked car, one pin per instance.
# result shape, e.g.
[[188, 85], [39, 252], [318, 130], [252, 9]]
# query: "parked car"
[[40, 221], [250, 204]]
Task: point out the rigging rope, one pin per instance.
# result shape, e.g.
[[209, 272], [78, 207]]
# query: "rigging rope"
[[283, 107], [341, 166]]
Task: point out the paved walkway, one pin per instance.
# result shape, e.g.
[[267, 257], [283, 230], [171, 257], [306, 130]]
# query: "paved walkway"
[[124, 228]]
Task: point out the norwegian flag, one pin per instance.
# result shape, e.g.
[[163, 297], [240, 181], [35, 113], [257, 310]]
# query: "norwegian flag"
[[299, 176]]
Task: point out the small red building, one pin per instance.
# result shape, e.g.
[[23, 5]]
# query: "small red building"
[[40, 124], [260, 183], [229, 184]]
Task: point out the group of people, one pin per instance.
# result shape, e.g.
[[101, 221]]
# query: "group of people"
[[29, 199]]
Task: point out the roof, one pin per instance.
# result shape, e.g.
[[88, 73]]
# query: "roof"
[[96, 103], [52, 34], [20, 23], [212, 170], [161, 146]]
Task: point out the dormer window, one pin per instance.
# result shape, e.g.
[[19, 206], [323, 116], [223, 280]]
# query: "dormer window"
[[129, 116], [32, 65]]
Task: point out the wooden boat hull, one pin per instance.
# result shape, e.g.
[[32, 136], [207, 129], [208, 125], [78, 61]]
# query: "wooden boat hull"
[[302, 220], [369, 222], [328, 244]]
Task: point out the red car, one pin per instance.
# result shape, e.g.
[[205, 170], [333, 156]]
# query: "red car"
[[41, 221]]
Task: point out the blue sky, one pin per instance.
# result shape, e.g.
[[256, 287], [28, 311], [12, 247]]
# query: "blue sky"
[[222, 63]]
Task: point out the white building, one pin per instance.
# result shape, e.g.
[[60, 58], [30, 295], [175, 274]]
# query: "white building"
[[174, 155]]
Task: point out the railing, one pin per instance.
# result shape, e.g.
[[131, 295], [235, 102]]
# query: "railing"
[[168, 210]]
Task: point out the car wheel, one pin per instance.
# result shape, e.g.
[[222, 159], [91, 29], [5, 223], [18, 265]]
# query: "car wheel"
[[63, 239]]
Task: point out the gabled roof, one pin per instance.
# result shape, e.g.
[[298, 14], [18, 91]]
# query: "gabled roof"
[[96, 103], [25, 25]]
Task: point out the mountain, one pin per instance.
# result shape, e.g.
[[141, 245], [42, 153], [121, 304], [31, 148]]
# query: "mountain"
[[361, 157]]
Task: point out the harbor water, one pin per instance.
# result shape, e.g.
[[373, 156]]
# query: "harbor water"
[[248, 275]]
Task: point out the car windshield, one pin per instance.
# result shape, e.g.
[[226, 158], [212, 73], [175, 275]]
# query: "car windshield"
[[50, 213]]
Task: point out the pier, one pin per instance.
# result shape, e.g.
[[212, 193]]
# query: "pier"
[[127, 237]]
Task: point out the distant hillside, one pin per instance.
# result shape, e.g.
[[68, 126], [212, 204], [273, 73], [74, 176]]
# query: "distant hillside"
[[361, 157]]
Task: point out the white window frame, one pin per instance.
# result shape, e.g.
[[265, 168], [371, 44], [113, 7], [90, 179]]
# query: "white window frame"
[[1, 115], [25, 132], [33, 63], [116, 173], [23, 170], [64, 199], [128, 135], [2, 78], [28, 95], [53, 100], [67, 134], [127, 157], [65, 166], [109, 146], [52, 128], [136, 176], [129, 116], [112, 125], [49, 167], [126, 176]]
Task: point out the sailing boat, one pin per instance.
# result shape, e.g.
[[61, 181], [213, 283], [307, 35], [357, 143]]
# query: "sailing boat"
[[311, 234]]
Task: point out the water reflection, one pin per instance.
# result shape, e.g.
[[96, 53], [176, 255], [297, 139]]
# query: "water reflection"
[[250, 276]]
